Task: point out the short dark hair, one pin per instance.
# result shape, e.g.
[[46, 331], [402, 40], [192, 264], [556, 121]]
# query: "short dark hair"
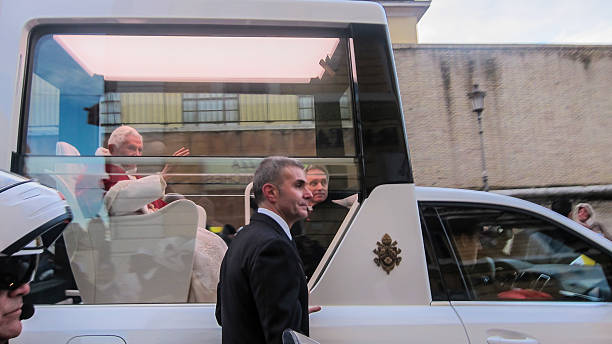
[[269, 171], [562, 206]]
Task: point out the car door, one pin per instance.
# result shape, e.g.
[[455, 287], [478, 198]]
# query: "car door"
[[521, 277]]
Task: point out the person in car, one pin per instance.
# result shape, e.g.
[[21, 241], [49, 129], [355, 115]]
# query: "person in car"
[[129, 194], [584, 214], [314, 233], [466, 235], [562, 206]]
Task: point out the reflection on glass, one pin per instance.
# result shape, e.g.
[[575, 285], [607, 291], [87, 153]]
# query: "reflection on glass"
[[229, 100], [511, 256]]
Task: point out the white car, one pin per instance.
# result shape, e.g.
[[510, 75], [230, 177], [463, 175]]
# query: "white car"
[[535, 277], [236, 81], [499, 270]]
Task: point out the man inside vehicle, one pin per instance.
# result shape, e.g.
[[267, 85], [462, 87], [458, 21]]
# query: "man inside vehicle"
[[130, 194], [26, 232], [314, 234]]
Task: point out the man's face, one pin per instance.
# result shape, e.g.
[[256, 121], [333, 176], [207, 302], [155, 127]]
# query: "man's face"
[[132, 146], [293, 198], [316, 182], [10, 310]]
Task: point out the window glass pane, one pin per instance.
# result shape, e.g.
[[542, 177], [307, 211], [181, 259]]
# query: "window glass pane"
[[231, 104], [453, 279], [188, 104], [189, 117], [436, 286], [228, 108], [232, 116], [330, 205], [506, 255], [306, 114]]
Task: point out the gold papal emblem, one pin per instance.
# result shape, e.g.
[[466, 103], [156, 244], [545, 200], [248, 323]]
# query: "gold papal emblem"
[[388, 253]]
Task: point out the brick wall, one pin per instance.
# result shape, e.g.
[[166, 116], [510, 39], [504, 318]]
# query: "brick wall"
[[547, 119]]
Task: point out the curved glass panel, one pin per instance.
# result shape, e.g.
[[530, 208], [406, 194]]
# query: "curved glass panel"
[[207, 106]]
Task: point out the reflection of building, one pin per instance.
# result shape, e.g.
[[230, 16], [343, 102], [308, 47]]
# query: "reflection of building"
[[203, 108]]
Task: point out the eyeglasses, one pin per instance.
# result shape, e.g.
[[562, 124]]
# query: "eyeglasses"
[[16, 271]]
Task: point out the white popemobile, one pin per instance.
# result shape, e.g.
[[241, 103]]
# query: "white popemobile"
[[236, 81]]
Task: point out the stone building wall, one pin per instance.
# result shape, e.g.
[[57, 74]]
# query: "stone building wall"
[[547, 119]]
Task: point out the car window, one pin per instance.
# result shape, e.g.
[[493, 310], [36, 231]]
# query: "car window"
[[509, 255], [438, 291], [452, 279], [230, 97]]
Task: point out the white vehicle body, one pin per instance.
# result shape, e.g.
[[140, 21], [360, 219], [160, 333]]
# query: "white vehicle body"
[[350, 314], [361, 302]]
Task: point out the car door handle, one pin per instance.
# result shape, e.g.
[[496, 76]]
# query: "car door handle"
[[502, 340], [96, 340]]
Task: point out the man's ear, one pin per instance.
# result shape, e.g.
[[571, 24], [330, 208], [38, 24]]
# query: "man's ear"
[[270, 192], [112, 148]]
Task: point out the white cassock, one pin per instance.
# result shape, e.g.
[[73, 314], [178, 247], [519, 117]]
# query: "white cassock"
[[129, 197]]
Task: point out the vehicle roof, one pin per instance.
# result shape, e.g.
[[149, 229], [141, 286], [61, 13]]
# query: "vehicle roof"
[[299, 11], [424, 193], [433, 194], [17, 18]]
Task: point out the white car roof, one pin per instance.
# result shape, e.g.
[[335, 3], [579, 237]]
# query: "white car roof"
[[433, 194], [195, 11]]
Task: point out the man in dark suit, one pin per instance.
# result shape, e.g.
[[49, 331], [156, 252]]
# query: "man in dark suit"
[[262, 288], [313, 235]]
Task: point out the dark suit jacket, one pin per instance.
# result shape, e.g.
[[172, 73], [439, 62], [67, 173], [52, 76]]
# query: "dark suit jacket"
[[313, 235], [262, 288]]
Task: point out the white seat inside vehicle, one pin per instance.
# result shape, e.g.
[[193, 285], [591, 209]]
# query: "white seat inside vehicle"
[[128, 259], [145, 258]]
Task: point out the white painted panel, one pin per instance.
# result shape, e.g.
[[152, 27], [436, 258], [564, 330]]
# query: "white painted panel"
[[196, 324], [352, 277], [546, 322], [181, 323], [387, 324]]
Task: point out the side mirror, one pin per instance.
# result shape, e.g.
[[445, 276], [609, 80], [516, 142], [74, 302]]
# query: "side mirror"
[[292, 337]]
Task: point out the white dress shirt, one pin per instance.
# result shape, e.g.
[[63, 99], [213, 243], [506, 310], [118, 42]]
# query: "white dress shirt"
[[276, 218]]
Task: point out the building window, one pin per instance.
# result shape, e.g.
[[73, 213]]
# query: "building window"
[[306, 108], [210, 108], [110, 109]]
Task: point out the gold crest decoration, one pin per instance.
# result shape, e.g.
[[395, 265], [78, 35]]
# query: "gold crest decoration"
[[388, 253]]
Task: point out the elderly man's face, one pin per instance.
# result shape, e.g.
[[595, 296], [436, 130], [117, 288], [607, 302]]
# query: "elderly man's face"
[[10, 310], [316, 181], [132, 146]]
